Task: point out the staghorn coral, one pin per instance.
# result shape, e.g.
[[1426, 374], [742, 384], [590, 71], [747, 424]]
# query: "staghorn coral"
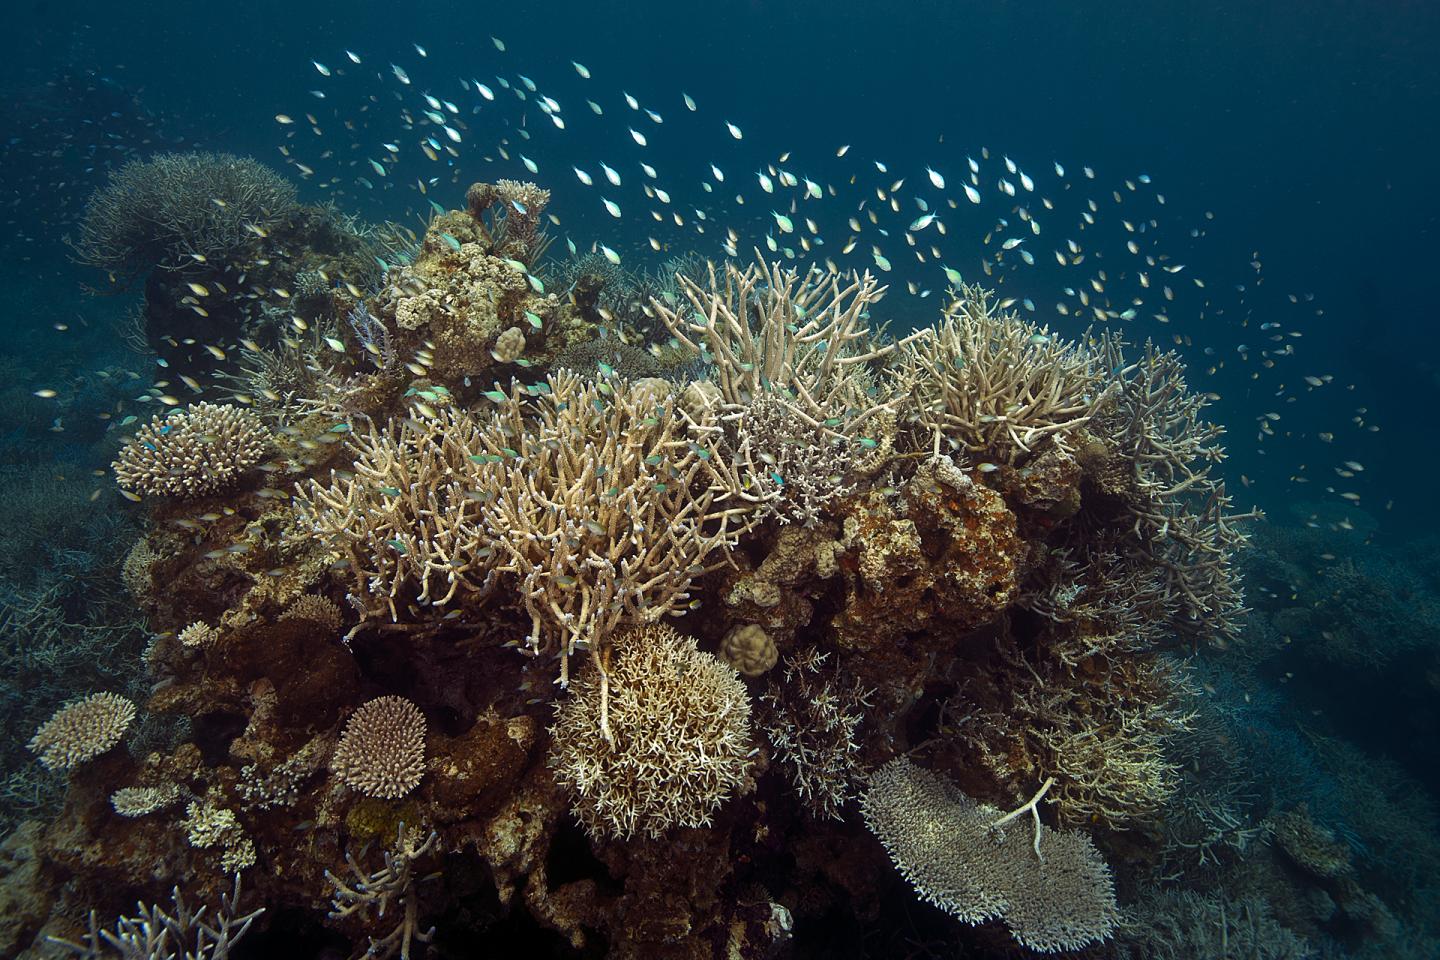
[[803, 339], [1100, 731], [812, 720], [394, 883], [155, 933], [82, 730], [997, 387], [598, 508], [1183, 924], [382, 752], [803, 468], [204, 449], [164, 210], [1054, 894], [1178, 512], [678, 743]]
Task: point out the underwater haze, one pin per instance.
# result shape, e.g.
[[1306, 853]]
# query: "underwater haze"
[[733, 479]]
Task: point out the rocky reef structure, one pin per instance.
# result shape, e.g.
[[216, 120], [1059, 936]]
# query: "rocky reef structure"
[[809, 564]]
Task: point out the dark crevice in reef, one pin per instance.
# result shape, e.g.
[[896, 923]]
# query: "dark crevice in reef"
[[213, 733], [293, 934], [571, 858]]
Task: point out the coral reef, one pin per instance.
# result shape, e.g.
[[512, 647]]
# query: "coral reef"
[[954, 573]]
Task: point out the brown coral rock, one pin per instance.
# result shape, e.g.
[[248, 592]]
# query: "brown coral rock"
[[749, 649], [947, 552]]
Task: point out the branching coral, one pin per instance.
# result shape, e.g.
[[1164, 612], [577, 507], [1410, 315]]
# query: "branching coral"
[[997, 387], [314, 609], [199, 634], [444, 315], [1179, 511], [678, 742], [812, 720], [138, 801], [1183, 924], [82, 730], [154, 933], [374, 893], [804, 339], [823, 487], [209, 825], [1054, 893], [512, 214], [598, 505], [382, 752], [204, 449], [164, 210], [802, 468], [1106, 602], [1100, 729]]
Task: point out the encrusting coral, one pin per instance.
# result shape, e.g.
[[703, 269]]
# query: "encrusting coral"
[[976, 545]]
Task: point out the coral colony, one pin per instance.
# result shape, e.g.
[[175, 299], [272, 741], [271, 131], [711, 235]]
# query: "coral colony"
[[467, 559]]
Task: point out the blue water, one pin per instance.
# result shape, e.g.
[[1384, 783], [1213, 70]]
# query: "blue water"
[[1293, 144]]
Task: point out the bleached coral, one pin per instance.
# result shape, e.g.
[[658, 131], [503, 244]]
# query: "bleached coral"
[[680, 744], [204, 449], [1052, 889], [82, 730], [382, 752]]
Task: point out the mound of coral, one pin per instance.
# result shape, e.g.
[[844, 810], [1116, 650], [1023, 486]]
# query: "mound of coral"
[[445, 585]]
